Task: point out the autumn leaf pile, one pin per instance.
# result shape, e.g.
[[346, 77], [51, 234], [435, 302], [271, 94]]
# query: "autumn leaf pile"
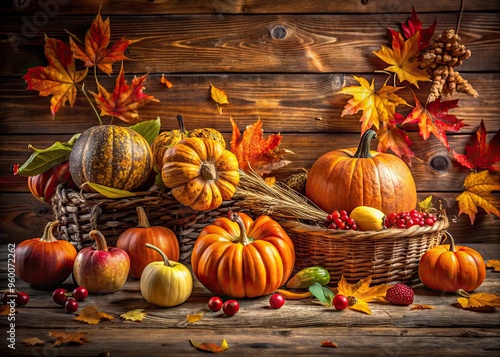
[[414, 56]]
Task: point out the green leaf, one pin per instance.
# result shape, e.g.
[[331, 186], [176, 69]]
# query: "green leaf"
[[43, 159], [148, 129], [109, 192], [322, 293]]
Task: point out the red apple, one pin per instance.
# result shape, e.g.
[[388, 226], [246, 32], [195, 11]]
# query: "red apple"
[[101, 270]]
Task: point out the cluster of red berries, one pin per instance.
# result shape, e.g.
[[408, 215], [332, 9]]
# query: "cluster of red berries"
[[70, 299], [340, 220], [231, 307], [20, 298], [404, 220]]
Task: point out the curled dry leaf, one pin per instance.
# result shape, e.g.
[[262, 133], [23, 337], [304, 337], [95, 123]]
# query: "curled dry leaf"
[[209, 346], [165, 81], [91, 316], [329, 344]]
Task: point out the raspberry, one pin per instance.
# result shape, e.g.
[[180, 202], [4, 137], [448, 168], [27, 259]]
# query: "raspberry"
[[400, 294]]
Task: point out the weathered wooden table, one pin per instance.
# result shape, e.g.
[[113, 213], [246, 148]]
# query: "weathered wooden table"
[[299, 328]]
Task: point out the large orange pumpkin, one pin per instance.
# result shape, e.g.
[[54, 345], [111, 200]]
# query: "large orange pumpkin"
[[448, 268], [133, 241], [239, 257], [201, 173], [346, 178]]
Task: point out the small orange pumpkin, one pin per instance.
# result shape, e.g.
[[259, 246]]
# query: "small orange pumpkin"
[[448, 268], [201, 173], [133, 241], [239, 257], [347, 178]]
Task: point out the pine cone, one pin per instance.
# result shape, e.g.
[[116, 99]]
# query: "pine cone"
[[439, 61]]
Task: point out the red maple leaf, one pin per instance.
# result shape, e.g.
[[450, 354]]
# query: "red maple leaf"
[[396, 139], [480, 155], [59, 79], [414, 25], [94, 50], [434, 118], [125, 100]]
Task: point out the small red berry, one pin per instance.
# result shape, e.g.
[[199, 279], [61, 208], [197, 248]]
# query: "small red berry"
[[22, 298], [71, 306], [215, 303], [340, 302], [276, 301], [231, 307], [80, 293], [59, 296]]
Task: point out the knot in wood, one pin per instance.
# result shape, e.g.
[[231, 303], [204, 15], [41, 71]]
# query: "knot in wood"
[[440, 163], [279, 32]]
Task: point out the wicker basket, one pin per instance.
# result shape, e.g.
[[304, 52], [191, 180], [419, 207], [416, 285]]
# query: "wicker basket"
[[390, 255], [79, 213]]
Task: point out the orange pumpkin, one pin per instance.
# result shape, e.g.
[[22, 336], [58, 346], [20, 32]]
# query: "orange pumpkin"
[[45, 261], [239, 257], [201, 173], [346, 178], [133, 241], [448, 268]]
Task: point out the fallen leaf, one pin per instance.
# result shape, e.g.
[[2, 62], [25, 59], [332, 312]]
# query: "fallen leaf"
[[402, 58], [263, 155], [362, 293], [165, 81], [422, 307], [69, 338], [468, 301], [210, 347], [134, 315], [480, 155], [192, 318], [125, 100], [219, 97], [478, 187], [5, 310], [59, 79], [329, 344], [94, 50], [495, 264], [91, 316], [33, 341], [378, 106]]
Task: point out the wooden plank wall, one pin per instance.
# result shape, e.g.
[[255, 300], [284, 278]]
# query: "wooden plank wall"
[[280, 61]]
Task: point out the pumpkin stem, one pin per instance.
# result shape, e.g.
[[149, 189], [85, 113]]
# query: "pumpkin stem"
[[163, 255], [208, 171], [452, 243], [182, 128], [142, 217], [99, 239], [235, 217], [363, 150], [47, 232]]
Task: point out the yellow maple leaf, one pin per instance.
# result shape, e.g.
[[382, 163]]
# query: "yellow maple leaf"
[[422, 307], [362, 293], [403, 60], [478, 187], [219, 97], [377, 106], [134, 315], [468, 301], [192, 318], [91, 316], [495, 264]]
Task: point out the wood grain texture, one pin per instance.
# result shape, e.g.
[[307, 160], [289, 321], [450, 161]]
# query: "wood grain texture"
[[154, 7], [286, 103], [261, 43], [299, 327]]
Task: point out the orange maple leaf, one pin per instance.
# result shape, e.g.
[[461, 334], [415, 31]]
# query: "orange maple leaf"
[[392, 137], [165, 81], [63, 337], [362, 293], [91, 316], [495, 264], [377, 106], [256, 153], [59, 79], [94, 51], [209, 346], [478, 187], [402, 58], [124, 101], [468, 301]]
